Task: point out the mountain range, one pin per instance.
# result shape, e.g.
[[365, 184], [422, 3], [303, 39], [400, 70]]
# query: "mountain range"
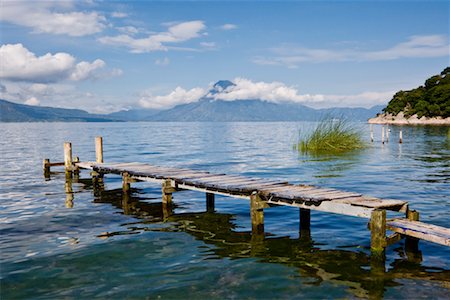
[[205, 110]]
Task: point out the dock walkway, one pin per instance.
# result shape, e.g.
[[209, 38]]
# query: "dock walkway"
[[265, 193]]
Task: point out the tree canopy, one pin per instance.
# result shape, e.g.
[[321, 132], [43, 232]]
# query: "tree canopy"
[[430, 100]]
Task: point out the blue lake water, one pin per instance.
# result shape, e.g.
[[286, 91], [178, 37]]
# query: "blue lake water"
[[91, 246]]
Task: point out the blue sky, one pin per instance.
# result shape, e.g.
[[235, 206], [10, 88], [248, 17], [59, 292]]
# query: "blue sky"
[[104, 56]]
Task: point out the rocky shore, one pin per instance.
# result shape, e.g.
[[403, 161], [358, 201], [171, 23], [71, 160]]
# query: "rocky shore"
[[400, 119]]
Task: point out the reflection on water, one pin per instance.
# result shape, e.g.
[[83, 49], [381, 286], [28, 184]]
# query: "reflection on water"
[[75, 237], [354, 270]]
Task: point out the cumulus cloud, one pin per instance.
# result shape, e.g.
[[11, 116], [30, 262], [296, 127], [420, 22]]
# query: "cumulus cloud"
[[414, 47], [84, 69], [131, 30], [228, 26], [267, 91], [54, 17], [177, 96], [276, 92], [20, 64], [177, 33], [33, 101]]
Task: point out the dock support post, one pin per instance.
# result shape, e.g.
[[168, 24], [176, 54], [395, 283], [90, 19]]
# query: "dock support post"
[[382, 134], [305, 223], [99, 149], [387, 133], [46, 166], [257, 213], [69, 192], [400, 137], [126, 183], [371, 133], [412, 244], [68, 163], [378, 232], [209, 202], [167, 191]]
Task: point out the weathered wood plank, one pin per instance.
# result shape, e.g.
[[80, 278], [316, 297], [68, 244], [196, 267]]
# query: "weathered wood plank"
[[420, 230], [372, 202]]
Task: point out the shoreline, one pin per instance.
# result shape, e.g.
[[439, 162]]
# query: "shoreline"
[[413, 120]]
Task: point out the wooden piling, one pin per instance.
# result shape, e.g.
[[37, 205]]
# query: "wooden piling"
[[378, 231], [371, 133], [412, 243], [382, 134], [257, 213], [167, 191], [387, 134], [400, 137], [305, 219], [126, 182], [68, 163], [69, 192], [99, 149], [46, 167], [209, 202]]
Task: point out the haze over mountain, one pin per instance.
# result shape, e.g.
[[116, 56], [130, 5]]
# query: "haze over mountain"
[[207, 109]]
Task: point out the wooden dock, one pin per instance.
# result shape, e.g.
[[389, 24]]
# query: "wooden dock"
[[265, 193]]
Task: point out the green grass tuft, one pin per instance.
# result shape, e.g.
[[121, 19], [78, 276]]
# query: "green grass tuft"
[[332, 137]]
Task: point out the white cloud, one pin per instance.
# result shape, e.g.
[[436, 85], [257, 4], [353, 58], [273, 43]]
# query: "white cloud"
[[33, 101], [54, 17], [228, 26], [267, 91], [162, 62], [19, 64], [414, 47], [84, 69], [128, 30], [276, 92], [157, 41], [177, 96]]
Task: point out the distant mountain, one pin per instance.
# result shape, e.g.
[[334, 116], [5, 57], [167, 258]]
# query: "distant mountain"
[[206, 109], [134, 114], [13, 112], [257, 110]]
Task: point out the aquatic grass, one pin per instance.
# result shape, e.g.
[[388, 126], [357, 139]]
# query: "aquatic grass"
[[332, 136]]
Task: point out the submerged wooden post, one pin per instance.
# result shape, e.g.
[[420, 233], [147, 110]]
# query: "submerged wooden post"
[[68, 163], [378, 232], [46, 167], [305, 223], [209, 202], [400, 137], [411, 243], [382, 134], [257, 213], [371, 133], [69, 192], [126, 183], [99, 149], [167, 191]]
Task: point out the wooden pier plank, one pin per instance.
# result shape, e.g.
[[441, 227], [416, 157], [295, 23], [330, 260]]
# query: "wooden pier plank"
[[372, 202], [420, 230]]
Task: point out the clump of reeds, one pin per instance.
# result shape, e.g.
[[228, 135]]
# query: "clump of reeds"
[[332, 136]]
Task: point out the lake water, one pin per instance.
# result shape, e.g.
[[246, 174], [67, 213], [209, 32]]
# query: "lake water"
[[91, 246]]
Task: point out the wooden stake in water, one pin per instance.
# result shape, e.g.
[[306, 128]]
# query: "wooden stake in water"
[[382, 134], [68, 156], [99, 149], [371, 133], [400, 137], [46, 166]]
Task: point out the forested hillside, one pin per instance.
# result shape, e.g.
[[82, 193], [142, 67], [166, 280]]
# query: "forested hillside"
[[430, 100]]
